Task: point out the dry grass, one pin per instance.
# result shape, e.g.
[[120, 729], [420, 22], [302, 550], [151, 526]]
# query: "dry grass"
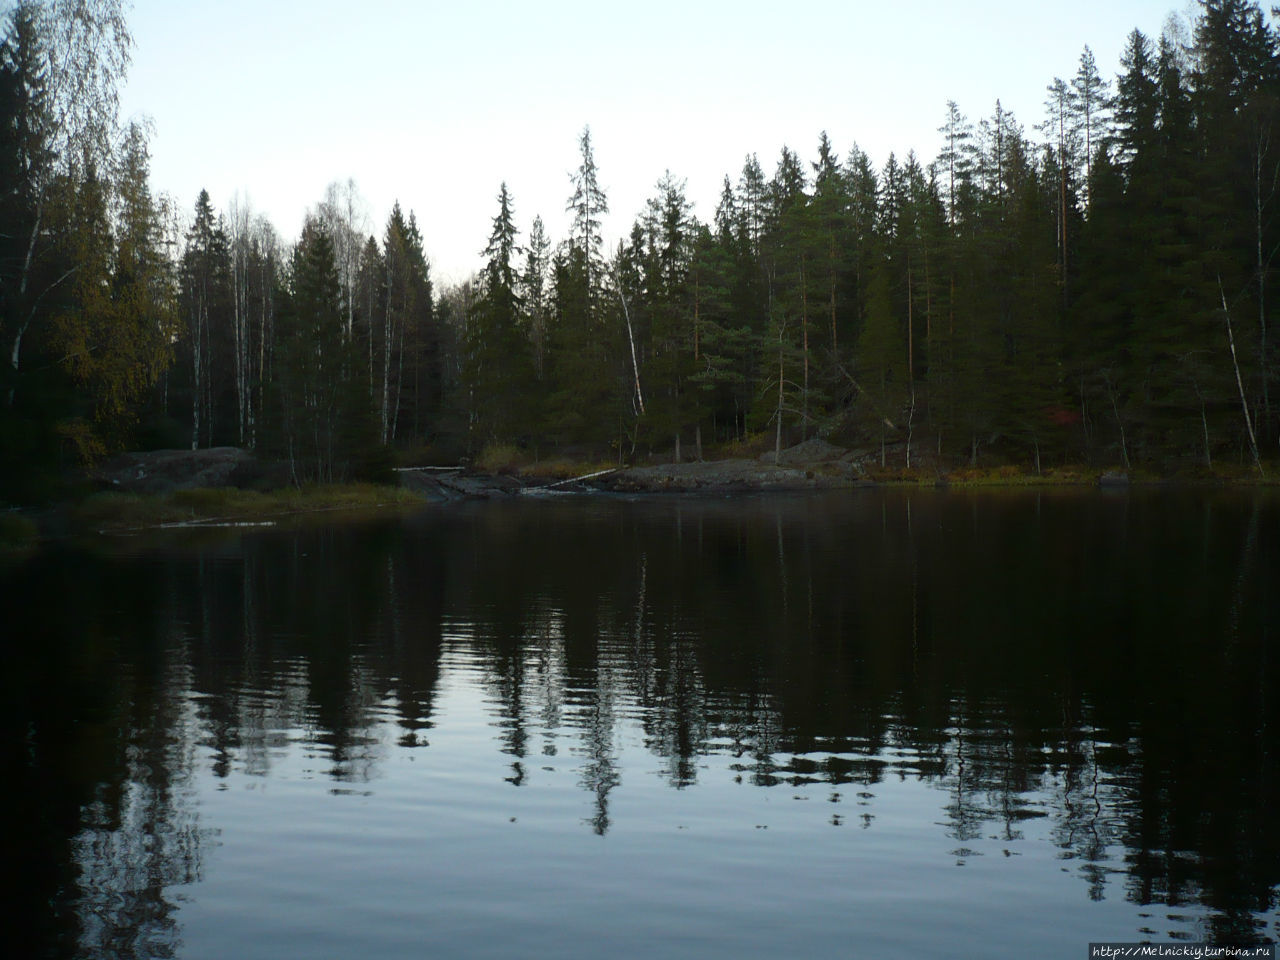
[[748, 448], [1011, 475], [500, 458]]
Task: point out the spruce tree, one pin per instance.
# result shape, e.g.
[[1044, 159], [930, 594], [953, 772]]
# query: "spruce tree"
[[588, 204], [322, 423], [205, 300], [499, 369], [534, 284], [587, 401]]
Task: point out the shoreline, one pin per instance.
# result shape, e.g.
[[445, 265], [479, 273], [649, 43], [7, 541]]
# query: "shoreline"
[[134, 497]]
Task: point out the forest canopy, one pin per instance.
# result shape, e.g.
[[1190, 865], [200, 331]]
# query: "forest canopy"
[[1091, 285]]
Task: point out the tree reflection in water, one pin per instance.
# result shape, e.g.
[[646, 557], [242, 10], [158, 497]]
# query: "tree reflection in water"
[[1099, 664]]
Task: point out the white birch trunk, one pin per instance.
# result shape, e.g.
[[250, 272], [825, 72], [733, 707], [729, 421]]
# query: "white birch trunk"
[[1244, 402]]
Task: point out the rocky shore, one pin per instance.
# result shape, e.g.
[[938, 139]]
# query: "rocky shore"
[[812, 465]]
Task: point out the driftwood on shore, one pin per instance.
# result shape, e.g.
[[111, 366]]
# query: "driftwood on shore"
[[585, 476]]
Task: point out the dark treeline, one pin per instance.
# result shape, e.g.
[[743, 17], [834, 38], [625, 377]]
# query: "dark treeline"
[[1094, 289]]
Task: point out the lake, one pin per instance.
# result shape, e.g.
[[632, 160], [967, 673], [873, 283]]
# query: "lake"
[[873, 723]]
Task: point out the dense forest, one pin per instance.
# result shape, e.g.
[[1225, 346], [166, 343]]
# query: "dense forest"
[[1089, 287]]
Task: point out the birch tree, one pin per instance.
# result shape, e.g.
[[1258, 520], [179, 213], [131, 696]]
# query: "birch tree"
[[239, 217], [345, 216], [68, 56], [254, 262]]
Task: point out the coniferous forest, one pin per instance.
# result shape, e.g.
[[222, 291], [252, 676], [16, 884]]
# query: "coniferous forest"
[[1091, 285]]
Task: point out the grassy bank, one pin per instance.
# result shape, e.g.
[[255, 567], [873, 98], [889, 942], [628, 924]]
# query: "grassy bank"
[[129, 511], [118, 512], [1001, 476], [1074, 475]]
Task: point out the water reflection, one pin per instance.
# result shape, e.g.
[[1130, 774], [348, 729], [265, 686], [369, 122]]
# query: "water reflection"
[[1093, 671]]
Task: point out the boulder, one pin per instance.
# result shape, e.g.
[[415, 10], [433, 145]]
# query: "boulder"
[[159, 471], [813, 450]]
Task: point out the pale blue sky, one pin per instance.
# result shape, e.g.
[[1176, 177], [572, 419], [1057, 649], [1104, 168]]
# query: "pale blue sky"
[[437, 103]]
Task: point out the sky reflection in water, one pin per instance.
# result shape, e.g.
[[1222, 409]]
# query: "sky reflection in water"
[[810, 726]]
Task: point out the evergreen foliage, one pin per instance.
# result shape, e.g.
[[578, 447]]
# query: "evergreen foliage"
[[1103, 293]]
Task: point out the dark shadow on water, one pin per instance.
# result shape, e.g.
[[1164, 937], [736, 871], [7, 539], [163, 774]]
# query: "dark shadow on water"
[[1103, 665]]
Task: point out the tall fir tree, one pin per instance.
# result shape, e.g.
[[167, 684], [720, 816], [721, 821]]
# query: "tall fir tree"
[[205, 301], [499, 369]]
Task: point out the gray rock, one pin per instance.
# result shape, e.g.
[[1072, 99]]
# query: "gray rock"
[[813, 450], [159, 471]]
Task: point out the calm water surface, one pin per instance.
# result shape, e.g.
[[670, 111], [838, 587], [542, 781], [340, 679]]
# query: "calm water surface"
[[873, 724]]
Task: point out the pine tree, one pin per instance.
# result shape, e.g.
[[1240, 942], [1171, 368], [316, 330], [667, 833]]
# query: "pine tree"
[[1063, 131], [1090, 102]]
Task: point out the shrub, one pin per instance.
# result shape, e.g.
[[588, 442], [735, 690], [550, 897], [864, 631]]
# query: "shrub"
[[499, 458]]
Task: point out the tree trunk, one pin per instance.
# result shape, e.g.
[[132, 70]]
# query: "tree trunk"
[[1204, 423], [631, 339], [777, 436], [395, 416], [1261, 266], [1244, 403], [804, 336], [831, 250], [197, 365], [385, 405], [1115, 409], [911, 417]]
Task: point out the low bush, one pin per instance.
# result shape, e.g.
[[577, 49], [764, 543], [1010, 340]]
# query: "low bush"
[[500, 458]]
